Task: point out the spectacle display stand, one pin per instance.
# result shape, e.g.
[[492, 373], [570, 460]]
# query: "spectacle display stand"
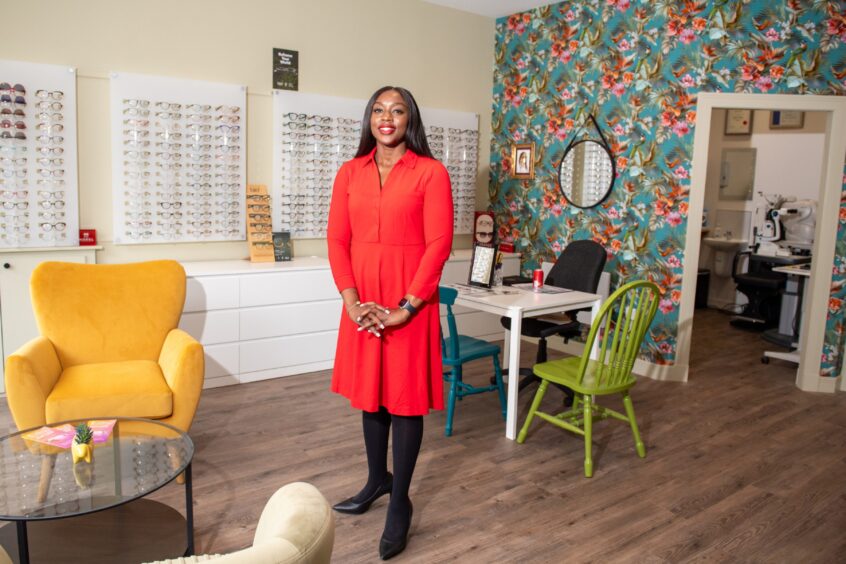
[[178, 163], [259, 234], [39, 199]]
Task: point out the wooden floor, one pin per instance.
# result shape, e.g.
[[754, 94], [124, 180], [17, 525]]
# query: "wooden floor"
[[741, 467]]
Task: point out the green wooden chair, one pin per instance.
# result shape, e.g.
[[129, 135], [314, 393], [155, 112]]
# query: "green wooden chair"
[[458, 349], [620, 326]]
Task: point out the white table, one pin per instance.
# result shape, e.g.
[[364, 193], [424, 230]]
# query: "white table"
[[800, 271], [517, 304]]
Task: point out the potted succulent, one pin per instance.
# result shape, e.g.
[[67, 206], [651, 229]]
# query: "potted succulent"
[[82, 447]]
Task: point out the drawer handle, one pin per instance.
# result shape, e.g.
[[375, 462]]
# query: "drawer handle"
[[6, 265]]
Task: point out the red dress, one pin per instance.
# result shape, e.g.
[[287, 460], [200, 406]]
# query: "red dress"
[[387, 243]]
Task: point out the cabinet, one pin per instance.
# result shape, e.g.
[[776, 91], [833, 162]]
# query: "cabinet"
[[17, 321], [265, 320]]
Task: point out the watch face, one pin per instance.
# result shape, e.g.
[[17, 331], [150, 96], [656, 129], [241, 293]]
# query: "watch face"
[[402, 302]]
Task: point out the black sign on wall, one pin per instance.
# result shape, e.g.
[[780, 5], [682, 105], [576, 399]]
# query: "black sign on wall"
[[286, 69]]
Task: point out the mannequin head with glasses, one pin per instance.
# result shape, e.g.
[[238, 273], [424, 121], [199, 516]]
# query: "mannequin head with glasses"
[[392, 118]]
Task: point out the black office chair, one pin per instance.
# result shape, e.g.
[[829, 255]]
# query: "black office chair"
[[578, 267], [762, 287]]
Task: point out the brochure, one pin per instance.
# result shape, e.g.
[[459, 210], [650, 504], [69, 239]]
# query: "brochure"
[[62, 436]]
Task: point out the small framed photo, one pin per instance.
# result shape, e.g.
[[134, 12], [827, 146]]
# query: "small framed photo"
[[787, 119], [483, 230], [523, 160], [482, 265], [738, 122]]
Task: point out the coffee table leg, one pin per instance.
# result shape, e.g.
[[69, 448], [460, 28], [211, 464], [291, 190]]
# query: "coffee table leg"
[[23, 546], [189, 510]]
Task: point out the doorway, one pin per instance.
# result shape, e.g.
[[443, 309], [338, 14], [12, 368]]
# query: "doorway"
[[829, 188]]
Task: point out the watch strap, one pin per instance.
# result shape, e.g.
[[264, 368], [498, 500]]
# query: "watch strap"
[[406, 305]]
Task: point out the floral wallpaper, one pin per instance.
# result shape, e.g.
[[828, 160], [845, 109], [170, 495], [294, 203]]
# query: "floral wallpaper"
[[637, 66]]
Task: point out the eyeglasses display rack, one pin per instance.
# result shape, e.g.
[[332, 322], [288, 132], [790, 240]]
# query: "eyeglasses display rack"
[[259, 233], [458, 150], [178, 160], [313, 135], [39, 200]]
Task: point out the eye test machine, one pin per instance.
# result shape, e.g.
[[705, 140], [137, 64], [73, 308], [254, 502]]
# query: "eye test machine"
[[783, 238]]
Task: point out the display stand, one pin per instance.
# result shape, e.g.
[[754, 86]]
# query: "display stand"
[[259, 233]]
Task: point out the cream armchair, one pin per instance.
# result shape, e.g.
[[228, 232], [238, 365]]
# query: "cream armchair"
[[109, 346], [296, 526]]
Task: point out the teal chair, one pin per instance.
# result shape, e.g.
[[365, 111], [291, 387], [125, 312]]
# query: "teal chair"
[[458, 349], [620, 326]]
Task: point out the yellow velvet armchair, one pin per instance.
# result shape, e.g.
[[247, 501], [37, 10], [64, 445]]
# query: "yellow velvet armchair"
[[109, 346]]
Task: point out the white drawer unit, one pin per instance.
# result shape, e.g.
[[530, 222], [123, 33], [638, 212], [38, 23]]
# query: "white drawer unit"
[[290, 319], [206, 293], [266, 320], [212, 327], [222, 366], [288, 288]]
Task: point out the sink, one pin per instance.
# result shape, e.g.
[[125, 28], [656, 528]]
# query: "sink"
[[724, 244]]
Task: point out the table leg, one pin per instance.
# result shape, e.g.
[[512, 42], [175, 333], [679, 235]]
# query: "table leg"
[[513, 373], [506, 347], [189, 510], [48, 462], [23, 545], [594, 312]]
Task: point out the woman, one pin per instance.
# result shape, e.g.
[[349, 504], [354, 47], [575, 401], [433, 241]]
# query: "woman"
[[390, 232]]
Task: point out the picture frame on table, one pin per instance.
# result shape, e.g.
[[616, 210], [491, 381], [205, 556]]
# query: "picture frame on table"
[[787, 119], [484, 227], [738, 122], [523, 161], [482, 265]]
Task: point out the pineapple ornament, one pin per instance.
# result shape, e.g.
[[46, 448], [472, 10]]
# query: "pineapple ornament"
[[82, 447]]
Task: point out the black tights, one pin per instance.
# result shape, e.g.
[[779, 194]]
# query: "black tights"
[[408, 434]]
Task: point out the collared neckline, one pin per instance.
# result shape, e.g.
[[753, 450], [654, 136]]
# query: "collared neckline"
[[409, 158]]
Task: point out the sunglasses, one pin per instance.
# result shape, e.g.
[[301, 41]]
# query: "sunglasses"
[[17, 88], [7, 99]]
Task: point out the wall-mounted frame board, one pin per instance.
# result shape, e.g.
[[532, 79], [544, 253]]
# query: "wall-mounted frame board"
[[178, 159], [39, 196]]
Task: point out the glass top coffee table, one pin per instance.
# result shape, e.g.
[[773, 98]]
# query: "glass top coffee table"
[[41, 489]]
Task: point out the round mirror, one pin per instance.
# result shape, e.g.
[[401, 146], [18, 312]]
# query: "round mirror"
[[586, 173]]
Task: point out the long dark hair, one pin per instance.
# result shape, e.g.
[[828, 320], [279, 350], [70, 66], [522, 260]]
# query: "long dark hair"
[[415, 135]]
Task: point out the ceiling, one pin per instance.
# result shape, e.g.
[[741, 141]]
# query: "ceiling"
[[492, 8]]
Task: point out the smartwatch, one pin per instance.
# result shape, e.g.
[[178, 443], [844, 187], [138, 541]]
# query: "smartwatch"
[[406, 305]]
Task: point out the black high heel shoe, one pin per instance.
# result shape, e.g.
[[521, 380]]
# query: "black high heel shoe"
[[353, 507], [389, 548]]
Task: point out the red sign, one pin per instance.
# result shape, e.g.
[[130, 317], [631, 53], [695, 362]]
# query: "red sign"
[[87, 237]]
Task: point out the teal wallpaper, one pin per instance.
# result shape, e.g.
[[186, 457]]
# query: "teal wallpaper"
[[637, 66]]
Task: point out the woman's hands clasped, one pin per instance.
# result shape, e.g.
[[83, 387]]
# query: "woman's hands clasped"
[[373, 317]]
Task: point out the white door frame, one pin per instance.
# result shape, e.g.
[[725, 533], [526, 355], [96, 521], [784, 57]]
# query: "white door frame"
[[819, 285]]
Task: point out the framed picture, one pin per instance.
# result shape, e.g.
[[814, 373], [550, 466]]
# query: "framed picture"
[[738, 122], [787, 119], [482, 265], [523, 160]]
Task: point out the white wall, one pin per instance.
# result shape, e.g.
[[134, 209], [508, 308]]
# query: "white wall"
[[788, 161], [346, 48]]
